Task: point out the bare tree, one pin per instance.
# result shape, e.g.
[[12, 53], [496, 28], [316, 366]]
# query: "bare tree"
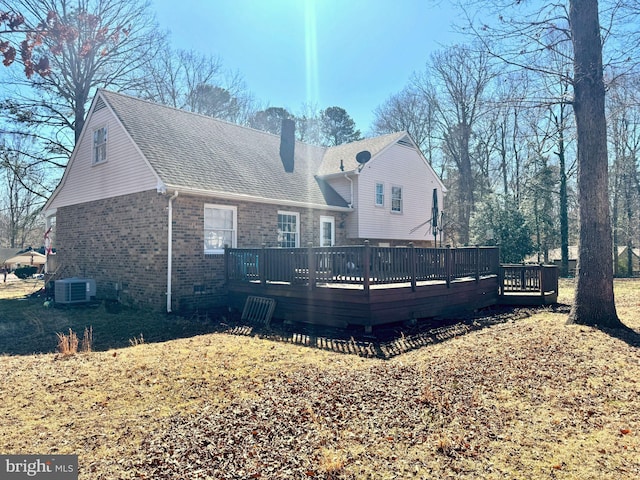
[[624, 126], [461, 77], [111, 40], [195, 82], [520, 40], [412, 110], [594, 300], [308, 124], [19, 204]]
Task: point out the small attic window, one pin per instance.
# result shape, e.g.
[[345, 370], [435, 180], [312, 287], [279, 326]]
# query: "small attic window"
[[100, 145], [405, 142]]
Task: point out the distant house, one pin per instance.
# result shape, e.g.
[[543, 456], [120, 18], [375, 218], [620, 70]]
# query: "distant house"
[[6, 254], [30, 258], [152, 194], [555, 258], [622, 259]]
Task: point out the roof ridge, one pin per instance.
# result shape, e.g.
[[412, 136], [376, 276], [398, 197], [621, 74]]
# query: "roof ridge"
[[202, 115]]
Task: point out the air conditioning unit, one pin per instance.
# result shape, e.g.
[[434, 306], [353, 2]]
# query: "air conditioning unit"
[[75, 290]]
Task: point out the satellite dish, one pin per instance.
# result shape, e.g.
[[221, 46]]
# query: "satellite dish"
[[363, 157]]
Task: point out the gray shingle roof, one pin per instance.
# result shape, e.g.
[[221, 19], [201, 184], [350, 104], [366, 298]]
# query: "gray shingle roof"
[[194, 151], [347, 152]]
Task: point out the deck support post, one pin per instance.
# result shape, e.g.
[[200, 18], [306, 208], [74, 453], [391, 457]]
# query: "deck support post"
[[448, 260], [477, 263], [226, 264], [262, 265], [412, 265], [312, 265], [541, 280], [366, 267]]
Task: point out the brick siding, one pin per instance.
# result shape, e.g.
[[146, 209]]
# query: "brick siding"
[[122, 243]]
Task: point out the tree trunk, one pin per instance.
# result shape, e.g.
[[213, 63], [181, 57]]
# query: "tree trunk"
[[564, 209], [594, 301]]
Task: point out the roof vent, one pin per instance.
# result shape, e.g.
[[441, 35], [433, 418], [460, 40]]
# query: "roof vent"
[[99, 104]]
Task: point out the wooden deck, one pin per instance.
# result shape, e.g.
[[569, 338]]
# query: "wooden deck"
[[368, 286]]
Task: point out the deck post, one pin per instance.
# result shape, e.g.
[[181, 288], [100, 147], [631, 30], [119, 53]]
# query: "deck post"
[[262, 265], [447, 267], [541, 280], [366, 267], [477, 263], [412, 265], [312, 265], [226, 264]]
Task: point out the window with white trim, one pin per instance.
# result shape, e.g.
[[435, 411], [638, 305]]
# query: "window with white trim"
[[288, 229], [379, 194], [220, 226], [396, 199], [100, 145]]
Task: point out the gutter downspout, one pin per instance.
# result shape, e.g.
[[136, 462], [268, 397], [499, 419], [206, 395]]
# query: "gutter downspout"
[[346, 175], [170, 248]]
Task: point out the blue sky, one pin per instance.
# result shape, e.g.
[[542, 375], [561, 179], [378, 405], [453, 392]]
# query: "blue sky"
[[348, 53]]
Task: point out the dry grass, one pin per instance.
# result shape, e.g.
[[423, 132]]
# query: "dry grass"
[[67, 344], [531, 398]]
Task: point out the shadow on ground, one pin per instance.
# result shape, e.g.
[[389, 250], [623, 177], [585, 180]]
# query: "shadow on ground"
[[31, 325], [388, 341]]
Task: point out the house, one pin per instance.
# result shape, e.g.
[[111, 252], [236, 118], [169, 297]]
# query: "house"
[[6, 254], [624, 253], [29, 258], [152, 195]]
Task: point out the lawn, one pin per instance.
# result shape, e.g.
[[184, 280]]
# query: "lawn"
[[501, 394]]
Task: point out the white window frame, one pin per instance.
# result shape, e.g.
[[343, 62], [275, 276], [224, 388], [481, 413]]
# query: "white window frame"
[[234, 230], [323, 221], [395, 198], [99, 150], [296, 232], [381, 194]]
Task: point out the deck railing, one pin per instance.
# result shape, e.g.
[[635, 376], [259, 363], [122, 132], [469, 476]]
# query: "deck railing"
[[529, 278], [363, 265]]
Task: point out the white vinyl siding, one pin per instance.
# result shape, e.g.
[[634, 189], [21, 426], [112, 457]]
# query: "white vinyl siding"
[[124, 173], [288, 229], [220, 227], [398, 166]]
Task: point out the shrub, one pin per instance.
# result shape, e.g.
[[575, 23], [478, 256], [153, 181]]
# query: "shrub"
[[25, 272]]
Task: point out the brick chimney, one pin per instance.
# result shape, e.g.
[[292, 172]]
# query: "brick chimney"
[[287, 144]]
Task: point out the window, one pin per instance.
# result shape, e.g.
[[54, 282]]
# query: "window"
[[219, 228], [396, 199], [100, 145], [379, 194], [288, 229], [327, 231]]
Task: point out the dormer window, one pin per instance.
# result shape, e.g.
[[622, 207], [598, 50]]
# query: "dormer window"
[[100, 145]]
